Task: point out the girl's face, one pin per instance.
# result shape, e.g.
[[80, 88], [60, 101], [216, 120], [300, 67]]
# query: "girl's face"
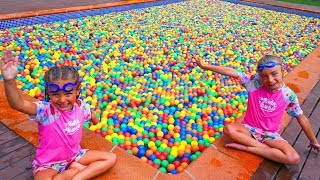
[[63, 94], [272, 78]]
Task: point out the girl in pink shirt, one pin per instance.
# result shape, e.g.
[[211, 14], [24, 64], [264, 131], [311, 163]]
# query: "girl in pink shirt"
[[60, 120], [268, 98]]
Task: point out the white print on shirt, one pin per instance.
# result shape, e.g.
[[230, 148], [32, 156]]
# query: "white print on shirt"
[[72, 127], [267, 105]]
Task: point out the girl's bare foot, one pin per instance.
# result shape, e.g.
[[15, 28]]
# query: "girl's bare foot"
[[237, 146], [78, 166]]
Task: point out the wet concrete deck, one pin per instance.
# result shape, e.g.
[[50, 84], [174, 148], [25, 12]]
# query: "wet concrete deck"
[[216, 162]]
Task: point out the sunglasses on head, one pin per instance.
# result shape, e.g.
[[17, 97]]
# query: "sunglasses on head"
[[269, 64], [68, 87]]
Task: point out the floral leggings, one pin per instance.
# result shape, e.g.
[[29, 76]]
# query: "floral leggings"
[[58, 166], [261, 135]]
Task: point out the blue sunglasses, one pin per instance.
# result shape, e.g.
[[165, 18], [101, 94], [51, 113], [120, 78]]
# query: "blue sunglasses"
[[68, 87], [269, 64]]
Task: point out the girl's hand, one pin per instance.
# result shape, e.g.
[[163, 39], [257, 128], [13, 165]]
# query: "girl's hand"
[[9, 66], [198, 61], [94, 119], [315, 146]]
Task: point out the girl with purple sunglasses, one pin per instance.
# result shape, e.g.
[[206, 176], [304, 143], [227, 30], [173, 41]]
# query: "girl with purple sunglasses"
[[60, 120]]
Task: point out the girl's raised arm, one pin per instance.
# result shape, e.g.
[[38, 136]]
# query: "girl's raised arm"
[[9, 69], [218, 69]]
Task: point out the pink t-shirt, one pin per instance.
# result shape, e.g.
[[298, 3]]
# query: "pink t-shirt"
[[60, 131], [265, 109]]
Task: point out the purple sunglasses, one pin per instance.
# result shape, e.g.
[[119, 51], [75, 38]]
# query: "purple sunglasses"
[[68, 87], [269, 64]]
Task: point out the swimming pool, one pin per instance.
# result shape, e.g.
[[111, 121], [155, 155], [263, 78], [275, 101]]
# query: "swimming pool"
[[138, 76]]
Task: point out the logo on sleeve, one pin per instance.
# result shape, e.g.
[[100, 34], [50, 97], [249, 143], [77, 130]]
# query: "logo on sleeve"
[[267, 104]]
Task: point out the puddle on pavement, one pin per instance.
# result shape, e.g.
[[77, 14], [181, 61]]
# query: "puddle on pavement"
[[293, 87], [303, 74]]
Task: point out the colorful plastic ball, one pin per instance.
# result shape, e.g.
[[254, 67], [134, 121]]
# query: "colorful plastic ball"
[[174, 171], [163, 169]]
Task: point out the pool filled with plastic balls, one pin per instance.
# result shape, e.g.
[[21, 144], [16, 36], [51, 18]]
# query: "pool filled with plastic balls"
[[139, 77]]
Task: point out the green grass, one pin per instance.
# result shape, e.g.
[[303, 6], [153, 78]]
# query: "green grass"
[[305, 2]]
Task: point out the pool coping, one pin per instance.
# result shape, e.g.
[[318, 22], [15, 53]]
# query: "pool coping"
[[69, 9], [27, 14]]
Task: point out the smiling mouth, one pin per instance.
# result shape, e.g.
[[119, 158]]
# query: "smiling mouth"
[[64, 105], [272, 85]]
